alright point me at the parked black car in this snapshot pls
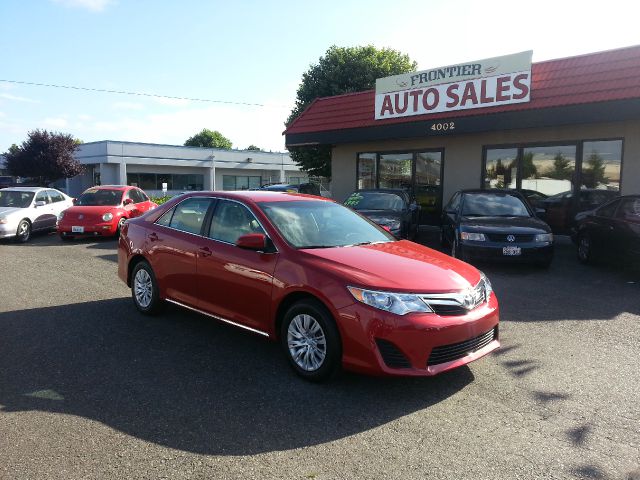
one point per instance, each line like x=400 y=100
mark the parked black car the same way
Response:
x=610 y=231
x=562 y=208
x=495 y=225
x=308 y=188
x=393 y=209
x=534 y=197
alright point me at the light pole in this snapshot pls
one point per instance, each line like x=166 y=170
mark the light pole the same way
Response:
x=213 y=172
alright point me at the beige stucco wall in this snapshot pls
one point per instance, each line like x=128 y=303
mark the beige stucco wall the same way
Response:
x=463 y=153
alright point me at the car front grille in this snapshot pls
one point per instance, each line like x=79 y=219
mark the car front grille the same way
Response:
x=448 y=353
x=392 y=356
x=502 y=237
x=449 y=304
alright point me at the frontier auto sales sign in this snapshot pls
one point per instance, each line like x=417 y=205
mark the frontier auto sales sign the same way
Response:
x=485 y=83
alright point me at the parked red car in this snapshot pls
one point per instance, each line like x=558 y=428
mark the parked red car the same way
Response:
x=101 y=211
x=333 y=287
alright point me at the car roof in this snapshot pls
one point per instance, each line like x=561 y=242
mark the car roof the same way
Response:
x=26 y=189
x=491 y=190
x=257 y=196
x=111 y=187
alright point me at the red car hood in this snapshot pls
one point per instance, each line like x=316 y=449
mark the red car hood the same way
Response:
x=398 y=266
x=90 y=214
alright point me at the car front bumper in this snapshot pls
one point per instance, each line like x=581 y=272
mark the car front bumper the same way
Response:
x=8 y=230
x=530 y=252
x=92 y=230
x=381 y=343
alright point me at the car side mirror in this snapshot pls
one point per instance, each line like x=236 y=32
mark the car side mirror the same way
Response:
x=252 y=241
x=127 y=201
x=40 y=203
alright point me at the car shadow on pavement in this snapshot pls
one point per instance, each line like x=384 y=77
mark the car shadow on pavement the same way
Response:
x=187 y=382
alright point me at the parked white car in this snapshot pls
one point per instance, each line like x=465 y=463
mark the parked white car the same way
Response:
x=24 y=210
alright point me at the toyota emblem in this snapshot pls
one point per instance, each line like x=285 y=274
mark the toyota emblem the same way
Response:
x=511 y=238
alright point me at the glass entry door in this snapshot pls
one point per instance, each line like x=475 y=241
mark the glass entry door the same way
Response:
x=428 y=186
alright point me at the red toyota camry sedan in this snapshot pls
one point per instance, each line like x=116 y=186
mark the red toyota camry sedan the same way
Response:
x=101 y=211
x=333 y=288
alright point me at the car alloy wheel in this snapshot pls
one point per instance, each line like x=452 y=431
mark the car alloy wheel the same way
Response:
x=584 y=248
x=24 y=231
x=307 y=342
x=311 y=340
x=144 y=289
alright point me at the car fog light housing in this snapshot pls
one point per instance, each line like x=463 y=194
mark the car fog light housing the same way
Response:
x=544 y=237
x=475 y=237
x=107 y=217
x=398 y=303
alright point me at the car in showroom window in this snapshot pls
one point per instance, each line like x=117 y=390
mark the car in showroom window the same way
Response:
x=392 y=209
x=500 y=225
x=300 y=270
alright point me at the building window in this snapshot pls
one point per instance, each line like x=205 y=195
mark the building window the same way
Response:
x=240 y=182
x=366 y=171
x=296 y=180
x=395 y=170
x=601 y=164
x=553 y=169
x=174 y=181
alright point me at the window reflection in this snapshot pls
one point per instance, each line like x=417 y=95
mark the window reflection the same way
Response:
x=601 y=163
x=501 y=168
x=366 y=171
x=549 y=170
x=395 y=170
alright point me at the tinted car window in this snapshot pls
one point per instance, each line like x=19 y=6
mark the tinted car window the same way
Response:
x=629 y=210
x=318 y=224
x=375 y=201
x=231 y=220
x=15 y=199
x=100 y=197
x=165 y=219
x=454 y=203
x=42 y=197
x=493 y=205
x=55 y=196
x=608 y=210
x=189 y=215
x=137 y=196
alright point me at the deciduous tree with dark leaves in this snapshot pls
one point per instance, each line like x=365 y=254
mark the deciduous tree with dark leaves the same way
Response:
x=210 y=139
x=341 y=70
x=45 y=156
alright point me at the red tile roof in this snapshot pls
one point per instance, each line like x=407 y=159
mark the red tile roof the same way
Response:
x=591 y=78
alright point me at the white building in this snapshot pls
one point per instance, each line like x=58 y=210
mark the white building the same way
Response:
x=148 y=166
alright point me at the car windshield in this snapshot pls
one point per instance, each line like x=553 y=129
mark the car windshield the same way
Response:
x=375 y=201
x=318 y=224
x=494 y=205
x=99 y=197
x=15 y=199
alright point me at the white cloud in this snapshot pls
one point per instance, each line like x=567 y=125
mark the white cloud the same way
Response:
x=16 y=98
x=92 y=5
x=127 y=106
x=171 y=102
x=84 y=117
x=55 y=122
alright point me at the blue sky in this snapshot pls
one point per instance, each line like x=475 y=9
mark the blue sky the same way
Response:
x=248 y=52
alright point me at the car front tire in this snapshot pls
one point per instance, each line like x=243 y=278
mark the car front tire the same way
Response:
x=311 y=341
x=144 y=289
x=585 y=248
x=23 y=233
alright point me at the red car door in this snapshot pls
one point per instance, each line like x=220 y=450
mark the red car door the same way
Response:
x=173 y=243
x=234 y=284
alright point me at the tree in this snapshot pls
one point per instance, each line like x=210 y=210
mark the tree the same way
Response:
x=341 y=70
x=253 y=148
x=594 y=175
x=529 y=169
x=44 y=155
x=209 y=139
x=562 y=169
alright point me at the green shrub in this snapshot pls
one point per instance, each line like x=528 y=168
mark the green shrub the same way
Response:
x=161 y=200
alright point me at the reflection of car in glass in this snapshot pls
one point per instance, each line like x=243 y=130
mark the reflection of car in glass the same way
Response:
x=610 y=231
x=101 y=211
x=390 y=208
x=534 y=197
x=24 y=210
x=307 y=188
x=335 y=289
x=495 y=225
x=561 y=209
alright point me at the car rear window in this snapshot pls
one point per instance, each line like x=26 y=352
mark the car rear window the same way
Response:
x=375 y=201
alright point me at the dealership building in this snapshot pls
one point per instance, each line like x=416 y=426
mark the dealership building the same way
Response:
x=554 y=126
x=178 y=168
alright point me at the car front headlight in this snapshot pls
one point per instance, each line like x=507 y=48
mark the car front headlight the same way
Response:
x=4 y=220
x=543 y=237
x=476 y=237
x=398 y=303
x=107 y=217
x=60 y=216
x=488 y=288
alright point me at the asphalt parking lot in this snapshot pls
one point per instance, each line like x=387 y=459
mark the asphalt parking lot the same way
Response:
x=91 y=389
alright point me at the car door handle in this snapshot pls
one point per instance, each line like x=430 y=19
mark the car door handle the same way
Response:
x=205 y=252
x=153 y=236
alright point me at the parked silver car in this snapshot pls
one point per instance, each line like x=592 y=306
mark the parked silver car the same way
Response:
x=24 y=210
